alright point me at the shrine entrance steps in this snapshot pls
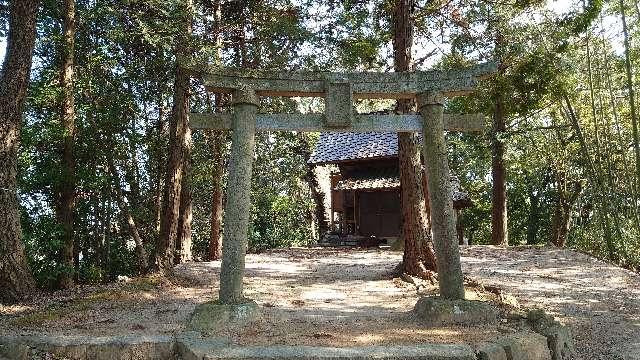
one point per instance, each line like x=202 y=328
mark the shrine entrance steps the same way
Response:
x=192 y=346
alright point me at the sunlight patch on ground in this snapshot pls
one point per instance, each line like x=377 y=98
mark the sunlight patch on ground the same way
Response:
x=15 y=309
x=323 y=295
x=368 y=338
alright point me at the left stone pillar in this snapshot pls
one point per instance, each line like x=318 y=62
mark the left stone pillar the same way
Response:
x=237 y=208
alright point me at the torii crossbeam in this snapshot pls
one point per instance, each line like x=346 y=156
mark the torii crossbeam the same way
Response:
x=339 y=90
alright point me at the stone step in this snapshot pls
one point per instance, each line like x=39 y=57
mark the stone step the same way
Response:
x=191 y=346
x=408 y=352
x=87 y=347
x=194 y=346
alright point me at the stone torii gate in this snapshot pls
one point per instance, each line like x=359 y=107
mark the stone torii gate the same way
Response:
x=339 y=90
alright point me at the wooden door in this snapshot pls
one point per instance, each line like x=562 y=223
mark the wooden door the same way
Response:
x=379 y=213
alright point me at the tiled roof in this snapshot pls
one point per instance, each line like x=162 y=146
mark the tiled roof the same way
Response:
x=371 y=179
x=338 y=146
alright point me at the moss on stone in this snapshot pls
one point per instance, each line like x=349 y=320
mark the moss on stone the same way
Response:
x=213 y=315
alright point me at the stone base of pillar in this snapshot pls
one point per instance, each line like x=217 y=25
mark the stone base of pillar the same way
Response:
x=436 y=311
x=212 y=316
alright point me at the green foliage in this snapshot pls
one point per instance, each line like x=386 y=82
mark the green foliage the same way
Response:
x=41 y=236
x=279 y=221
x=281 y=201
x=580 y=23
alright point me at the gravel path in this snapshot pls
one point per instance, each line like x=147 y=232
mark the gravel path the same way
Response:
x=601 y=302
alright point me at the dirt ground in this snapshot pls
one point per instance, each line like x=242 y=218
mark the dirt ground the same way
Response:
x=317 y=297
x=333 y=297
x=350 y=297
x=600 y=302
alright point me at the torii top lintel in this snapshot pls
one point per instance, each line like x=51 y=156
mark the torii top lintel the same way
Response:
x=359 y=85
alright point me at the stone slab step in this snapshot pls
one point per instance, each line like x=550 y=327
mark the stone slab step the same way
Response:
x=409 y=352
x=195 y=346
x=87 y=347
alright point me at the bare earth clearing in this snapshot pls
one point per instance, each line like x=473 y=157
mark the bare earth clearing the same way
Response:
x=600 y=302
x=349 y=298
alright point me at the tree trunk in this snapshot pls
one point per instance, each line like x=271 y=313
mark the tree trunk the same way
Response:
x=160 y=133
x=67 y=116
x=565 y=200
x=560 y=223
x=534 y=212
x=183 y=237
x=132 y=167
x=107 y=241
x=418 y=254
x=561 y=220
x=499 y=231
x=141 y=254
x=173 y=178
x=104 y=219
x=215 y=242
x=16 y=282
x=179 y=140
x=216 y=140
x=415 y=231
x=319 y=218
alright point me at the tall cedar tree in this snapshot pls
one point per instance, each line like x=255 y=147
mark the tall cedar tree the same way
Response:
x=16 y=281
x=499 y=232
x=216 y=142
x=418 y=249
x=183 y=236
x=179 y=151
x=67 y=191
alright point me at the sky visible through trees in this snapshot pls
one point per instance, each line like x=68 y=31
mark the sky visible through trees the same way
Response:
x=611 y=23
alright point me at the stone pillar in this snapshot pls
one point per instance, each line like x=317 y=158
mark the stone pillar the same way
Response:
x=236 y=211
x=430 y=105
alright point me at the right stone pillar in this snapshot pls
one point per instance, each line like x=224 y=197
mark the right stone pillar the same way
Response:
x=430 y=105
x=238 y=206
